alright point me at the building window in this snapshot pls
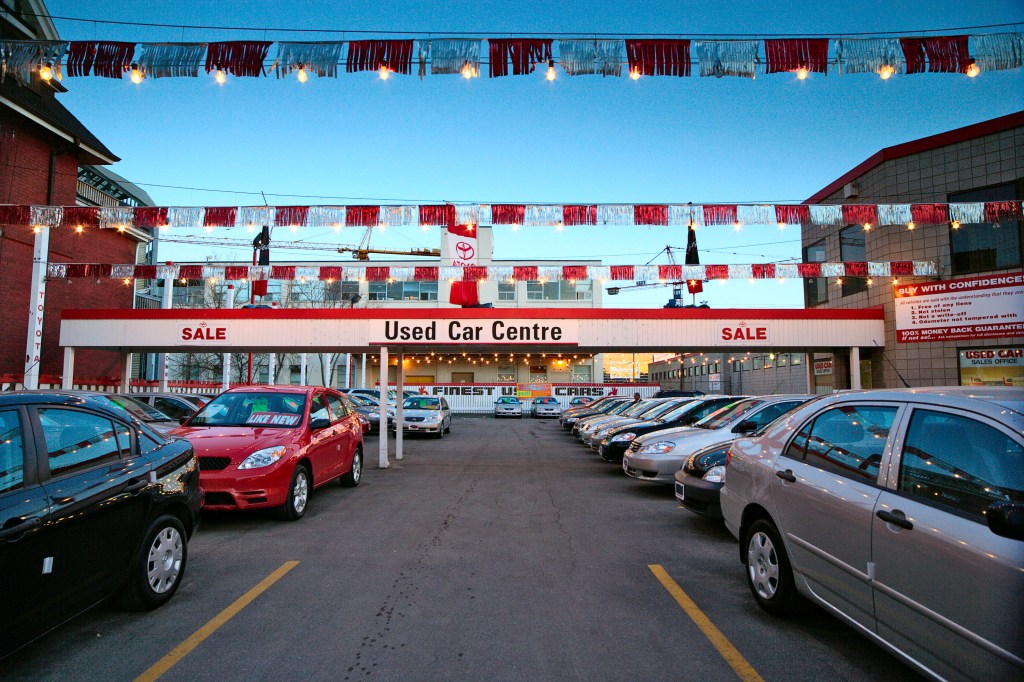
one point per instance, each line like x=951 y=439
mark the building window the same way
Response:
x=986 y=246
x=562 y=290
x=507 y=373
x=582 y=374
x=403 y=291
x=815 y=288
x=506 y=291
x=853 y=248
x=462 y=377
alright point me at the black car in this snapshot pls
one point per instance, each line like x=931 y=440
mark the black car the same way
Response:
x=677 y=393
x=93 y=504
x=617 y=440
x=700 y=480
x=604 y=405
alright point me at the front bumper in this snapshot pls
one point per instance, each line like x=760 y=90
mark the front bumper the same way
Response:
x=421 y=427
x=542 y=412
x=505 y=412
x=699 y=496
x=613 y=451
x=661 y=469
x=246 y=489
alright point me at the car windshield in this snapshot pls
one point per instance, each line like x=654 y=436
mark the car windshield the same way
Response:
x=508 y=401
x=678 y=410
x=545 y=401
x=275 y=410
x=661 y=409
x=717 y=420
x=360 y=400
x=138 y=409
x=422 y=404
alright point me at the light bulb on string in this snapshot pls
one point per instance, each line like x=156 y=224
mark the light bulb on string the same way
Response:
x=551 y=70
x=468 y=71
x=46 y=71
x=802 y=73
x=301 y=74
x=956 y=225
x=634 y=74
x=137 y=75
x=220 y=77
x=886 y=72
x=385 y=73
x=911 y=225
x=867 y=226
x=972 y=69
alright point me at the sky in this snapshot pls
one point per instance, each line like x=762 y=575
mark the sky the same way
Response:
x=360 y=140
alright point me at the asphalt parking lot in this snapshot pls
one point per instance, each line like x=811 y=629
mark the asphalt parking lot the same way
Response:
x=505 y=551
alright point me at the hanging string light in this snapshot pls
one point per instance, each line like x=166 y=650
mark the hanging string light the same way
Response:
x=301 y=74
x=220 y=77
x=136 y=75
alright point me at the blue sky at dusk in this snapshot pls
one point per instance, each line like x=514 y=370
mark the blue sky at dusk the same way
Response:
x=358 y=139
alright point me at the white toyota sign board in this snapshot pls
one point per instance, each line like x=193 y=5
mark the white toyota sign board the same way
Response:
x=985 y=307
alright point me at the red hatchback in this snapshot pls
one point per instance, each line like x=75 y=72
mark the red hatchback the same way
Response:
x=270 y=446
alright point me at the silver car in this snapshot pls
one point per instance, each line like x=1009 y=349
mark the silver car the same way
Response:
x=508 y=406
x=658 y=456
x=426 y=414
x=901 y=512
x=546 y=407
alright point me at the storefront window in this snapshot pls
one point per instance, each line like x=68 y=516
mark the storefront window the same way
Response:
x=562 y=290
x=997 y=366
x=582 y=374
x=403 y=291
x=506 y=291
x=853 y=248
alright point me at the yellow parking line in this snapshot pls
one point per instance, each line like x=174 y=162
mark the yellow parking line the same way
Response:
x=195 y=639
x=734 y=658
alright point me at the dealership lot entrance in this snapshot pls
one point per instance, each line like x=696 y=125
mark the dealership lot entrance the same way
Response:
x=400 y=331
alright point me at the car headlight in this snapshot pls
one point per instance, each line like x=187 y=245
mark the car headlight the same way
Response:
x=715 y=474
x=624 y=437
x=659 y=448
x=262 y=458
x=572 y=420
x=433 y=417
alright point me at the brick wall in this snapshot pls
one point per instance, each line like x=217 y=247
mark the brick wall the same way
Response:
x=24 y=174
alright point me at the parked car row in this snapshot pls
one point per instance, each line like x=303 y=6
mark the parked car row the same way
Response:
x=899 y=511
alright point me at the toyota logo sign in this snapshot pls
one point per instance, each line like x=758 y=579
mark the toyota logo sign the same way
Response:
x=465 y=250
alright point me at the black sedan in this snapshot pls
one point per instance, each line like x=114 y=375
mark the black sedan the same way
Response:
x=617 y=440
x=701 y=478
x=93 y=504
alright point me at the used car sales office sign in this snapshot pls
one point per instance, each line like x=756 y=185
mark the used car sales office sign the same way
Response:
x=985 y=307
x=475 y=331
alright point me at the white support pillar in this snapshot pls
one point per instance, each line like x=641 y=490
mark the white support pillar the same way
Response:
x=271 y=367
x=126 y=372
x=34 y=340
x=348 y=370
x=302 y=368
x=362 y=381
x=166 y=303
x=382 y=462
x=225 y=370
x=855 y=367
x=67 y=381
x=399 y=379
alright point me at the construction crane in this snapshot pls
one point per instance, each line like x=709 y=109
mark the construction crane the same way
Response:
x=363 y=251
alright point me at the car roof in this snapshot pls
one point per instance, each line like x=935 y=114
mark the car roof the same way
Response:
x=91 y=399
x=1009 y=397
x=274 y=389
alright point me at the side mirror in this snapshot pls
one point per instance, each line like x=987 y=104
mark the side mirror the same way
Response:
x=745 y=426
x=317 y=424
x=1006 y=519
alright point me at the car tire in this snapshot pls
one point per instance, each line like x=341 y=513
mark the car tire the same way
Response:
x=160 y=567
x=440 y=432
x=769 y=573
x=297 y=501
x=448 y=429
x=355 y=473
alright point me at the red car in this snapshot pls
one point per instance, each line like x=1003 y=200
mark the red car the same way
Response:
x=270 y=446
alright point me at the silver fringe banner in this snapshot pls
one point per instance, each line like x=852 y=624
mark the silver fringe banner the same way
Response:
x=694 y=272
x=258 y=273
x=256 y=216
x=122 y=271
x=449 y=273
x=21 y=58
x=997 y=51
x=645 y=273
x=56 y=270
x=727 y=57
x=967 y=213
x=116 y=218
x=869 y=55
x=325 y=216
x=500 y=273
x=352 y=273
x=599 y=273
x=402 y=274
x=215 y=272
x=786 y=271
x=185 y=216
x=831 y=270
x=171 y=60
x=894 y=214
x=589 y=57
x=542 y=214
x=473 y=214
x=399 y=216
x=615 y=214
x=757 y=214
x=167 y=272
x=46 y=216
x=741 y=272
x=549 y=273
x=307 y=273
x=319 y=58
x=925 y=268
x=450 y=55
x=826 y=215
x=876 y=270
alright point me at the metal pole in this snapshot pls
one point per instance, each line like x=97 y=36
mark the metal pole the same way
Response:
x=34 y=340
x=382 y=462
x=348 y=370
x=302 y=369
x=399 y=378
x=362 y=380
x=166 y=303
x=271 y=367
x=225 y=371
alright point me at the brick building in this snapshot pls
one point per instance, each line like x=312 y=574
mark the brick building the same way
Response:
x=42 y=149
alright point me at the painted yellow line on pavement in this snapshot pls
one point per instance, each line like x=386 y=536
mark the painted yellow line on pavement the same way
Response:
x=196 y=638
x=734 y=658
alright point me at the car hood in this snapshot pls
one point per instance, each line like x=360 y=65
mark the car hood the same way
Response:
x=236 y=442
x=420 y=413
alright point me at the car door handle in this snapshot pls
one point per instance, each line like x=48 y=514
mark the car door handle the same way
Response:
x=135 y=487
x=23 y=527
x=786 y=475
x=890 y=517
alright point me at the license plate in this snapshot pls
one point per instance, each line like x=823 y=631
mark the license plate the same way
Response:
x=413 y=427
x=680 y=491
x=600 y=450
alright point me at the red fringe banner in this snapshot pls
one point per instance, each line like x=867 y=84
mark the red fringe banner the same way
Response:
x=623 y=273
x=1000 y=211
x=474 y=273
x=763 y=270
x=330 y=273
x=149 y=272
x=220 y=216
x=236 y=272
x=378 y=274
x=790 y=54
x=150 y=216
x=650 y=214
x=86 y=216
x=291 y=215
x=719 y=215
x=113 y=59
x=440 y=214
x=508 y=214
x=237 y=57
x=670 y=272
x=362 y=216
x=929 y=214
x=15 y=215
x=184 y=272
x=900 y=268
x=579 y=215
x=716 y=272
x=574 y=272
x=525 y=272
x=425 y=274
x=101 y=270
x=809 y=269
x=792 y=215
x=659 y=57
x=76 y=270
x=286 y=272
x=858 y=214
x=946 y=54
x=372 y=55
x=523 y=53
x=856 y=269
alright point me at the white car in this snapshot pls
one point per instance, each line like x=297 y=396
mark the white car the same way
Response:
x=899 y=511
x=508 y=406
x=546 y=407
x=426 y=414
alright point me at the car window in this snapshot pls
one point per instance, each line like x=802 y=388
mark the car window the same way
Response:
x=136 y=408
x=957 y=462
x=773 y=412
x=171 y=408
x=339 y=407
x=147 y=444
x=847 y=440
x=318 y=408
x=12 y=451
x=444 y=404
x=717 y=420
x=77 y=440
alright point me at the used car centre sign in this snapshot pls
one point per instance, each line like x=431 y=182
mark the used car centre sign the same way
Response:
x=518 y=331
